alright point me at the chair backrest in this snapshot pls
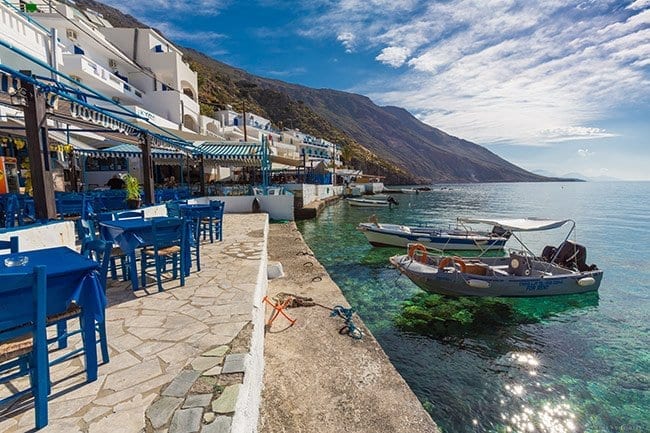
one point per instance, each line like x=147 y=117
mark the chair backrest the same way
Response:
x=129 y=215
x=23 y=307
x=217 y=207
x=192 y=219
x=73 y=204
x=11 y=210
x=85 y=232
x=11 y=245
x=173 y=209
x=167 y=232
x=100 y=251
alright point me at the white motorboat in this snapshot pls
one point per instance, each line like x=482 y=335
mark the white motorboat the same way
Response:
x=365 y=202
x=457 y=238
x=557 y=271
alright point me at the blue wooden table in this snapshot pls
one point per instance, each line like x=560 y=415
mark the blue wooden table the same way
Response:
x=71 y=278
x=130 y=234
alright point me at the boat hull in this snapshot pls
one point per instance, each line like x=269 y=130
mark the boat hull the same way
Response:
x=394 y=236
x=367 y=203
x=453 y=283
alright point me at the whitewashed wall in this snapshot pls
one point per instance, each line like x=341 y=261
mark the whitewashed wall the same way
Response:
x=44 y=236
x=279 y=207
x=311 y=193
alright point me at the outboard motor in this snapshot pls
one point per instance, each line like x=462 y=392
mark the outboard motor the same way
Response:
x=548 y=253
x=573 y=256
x=391 y=200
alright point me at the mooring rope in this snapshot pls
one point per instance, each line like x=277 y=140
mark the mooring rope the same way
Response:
x=291 y=300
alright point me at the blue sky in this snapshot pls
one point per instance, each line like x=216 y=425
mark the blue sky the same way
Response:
x=555 y=85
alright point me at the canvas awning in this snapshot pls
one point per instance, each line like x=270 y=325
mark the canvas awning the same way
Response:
x=234 y=154
x=126 y=150
x=519 y=224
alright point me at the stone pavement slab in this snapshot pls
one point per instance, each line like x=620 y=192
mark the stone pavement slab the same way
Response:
x=153 y=339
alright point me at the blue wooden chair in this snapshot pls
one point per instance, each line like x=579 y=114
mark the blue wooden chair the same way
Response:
x=174 y=208
x=12 y=210
x=100 y=251
x=11 y=245
x=23 y=341
x=71 y=206
x=193 y=228
x=213 y=225
x=87 y=232
x=168 y=239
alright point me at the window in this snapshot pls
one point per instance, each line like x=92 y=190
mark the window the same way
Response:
x=106 y=164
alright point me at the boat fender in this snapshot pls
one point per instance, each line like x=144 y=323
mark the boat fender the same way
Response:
x=478 y=284
x=586 y=281
x=457 y=261
x=414 y=255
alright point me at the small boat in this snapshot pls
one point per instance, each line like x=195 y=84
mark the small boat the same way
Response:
x=456 y=238
x=364 y=202
x=400 y=190
x=557 y=271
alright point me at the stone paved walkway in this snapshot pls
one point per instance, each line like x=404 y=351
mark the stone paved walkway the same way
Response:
x=179 y=357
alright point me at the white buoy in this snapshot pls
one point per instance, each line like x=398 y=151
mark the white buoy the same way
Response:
x=478 y=284
x=586 y=281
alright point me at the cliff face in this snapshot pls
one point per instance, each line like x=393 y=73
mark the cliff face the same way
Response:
x=387 y=141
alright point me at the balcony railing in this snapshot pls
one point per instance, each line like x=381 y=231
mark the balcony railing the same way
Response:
x=75 y=63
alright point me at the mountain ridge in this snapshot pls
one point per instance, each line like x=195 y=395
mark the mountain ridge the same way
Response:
x=378 y=140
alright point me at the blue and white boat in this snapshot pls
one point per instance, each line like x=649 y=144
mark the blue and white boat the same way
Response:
x=557 y=271
x=457 y=238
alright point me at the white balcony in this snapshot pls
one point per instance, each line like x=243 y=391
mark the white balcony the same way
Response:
x=101 y=79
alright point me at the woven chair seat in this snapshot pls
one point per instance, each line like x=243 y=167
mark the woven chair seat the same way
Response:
x=16 y=347
x=73 y=311
x=167 y=251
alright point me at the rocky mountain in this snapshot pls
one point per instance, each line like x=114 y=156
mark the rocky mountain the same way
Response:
x=386 y=141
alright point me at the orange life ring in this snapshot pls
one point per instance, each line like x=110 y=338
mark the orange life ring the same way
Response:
x=423 y=252
x=449 y=260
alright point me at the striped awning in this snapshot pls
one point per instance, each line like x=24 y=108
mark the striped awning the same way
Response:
x=231 y=153
x=126 y=150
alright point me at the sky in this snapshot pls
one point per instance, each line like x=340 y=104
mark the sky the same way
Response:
x=557 y=86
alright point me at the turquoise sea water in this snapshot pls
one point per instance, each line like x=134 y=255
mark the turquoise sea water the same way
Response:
x=583 y=364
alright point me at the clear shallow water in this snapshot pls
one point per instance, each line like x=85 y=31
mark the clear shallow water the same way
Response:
x=583 y=366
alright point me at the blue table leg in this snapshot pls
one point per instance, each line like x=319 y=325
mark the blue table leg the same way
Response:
x=90 y=345
x=133 y=270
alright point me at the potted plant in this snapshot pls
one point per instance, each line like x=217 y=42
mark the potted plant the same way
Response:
x=132 y=191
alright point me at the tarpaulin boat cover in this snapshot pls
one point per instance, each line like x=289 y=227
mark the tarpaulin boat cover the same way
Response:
x=518 y=224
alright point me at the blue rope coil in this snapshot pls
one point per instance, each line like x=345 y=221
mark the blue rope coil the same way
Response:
x=350 y=328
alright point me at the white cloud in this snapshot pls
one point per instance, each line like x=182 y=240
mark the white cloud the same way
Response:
x=347 y=40
x=584 y=153
x=393 y=56
x=494 y=71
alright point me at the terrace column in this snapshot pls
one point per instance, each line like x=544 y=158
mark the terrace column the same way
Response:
x=202 y=171
x=147 y=170
x=39 y=153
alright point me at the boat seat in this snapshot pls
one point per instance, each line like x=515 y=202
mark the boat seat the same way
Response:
x=500 y=270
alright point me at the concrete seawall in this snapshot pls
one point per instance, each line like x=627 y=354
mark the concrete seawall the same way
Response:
x=317 y=380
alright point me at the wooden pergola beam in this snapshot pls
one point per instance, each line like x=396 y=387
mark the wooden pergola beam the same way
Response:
x=39 y=153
